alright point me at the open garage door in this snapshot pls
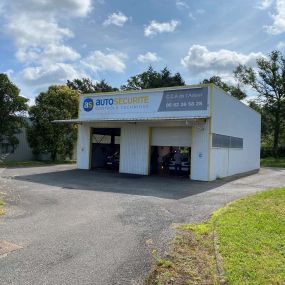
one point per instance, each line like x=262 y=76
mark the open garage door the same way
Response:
x=171 y=137
x=105 y=148
x=171 y=151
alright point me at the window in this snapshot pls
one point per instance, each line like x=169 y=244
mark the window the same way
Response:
x=236 y=142
x=226 y=141
x=220 y=141
x=104 y=139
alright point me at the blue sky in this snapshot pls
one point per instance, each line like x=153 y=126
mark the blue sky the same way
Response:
x=44 y=42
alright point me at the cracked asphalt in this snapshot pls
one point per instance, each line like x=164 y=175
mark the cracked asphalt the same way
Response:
x=86 y=227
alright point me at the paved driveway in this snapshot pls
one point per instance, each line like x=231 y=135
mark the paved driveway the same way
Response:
x=82 y=227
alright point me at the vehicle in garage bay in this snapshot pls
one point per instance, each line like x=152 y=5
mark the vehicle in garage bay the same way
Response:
x=113 y=161
x=185 y=165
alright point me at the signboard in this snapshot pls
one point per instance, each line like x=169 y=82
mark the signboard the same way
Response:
x=184 y=100
x=180 y=103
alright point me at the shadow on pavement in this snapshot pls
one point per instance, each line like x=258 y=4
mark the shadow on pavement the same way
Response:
x=104 y=181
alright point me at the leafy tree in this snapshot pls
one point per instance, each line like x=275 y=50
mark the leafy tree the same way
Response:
x=235 y=91
x=267 y=120
x=12 y=106
x=85 y=85
x=153 y=79
x=102 y=86
x=59 y=102
x=269 y=82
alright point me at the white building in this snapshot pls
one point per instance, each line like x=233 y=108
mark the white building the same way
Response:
x=222 y=133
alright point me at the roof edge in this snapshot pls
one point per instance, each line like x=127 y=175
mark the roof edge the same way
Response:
x=149 y=90
x=236 y=99
x=80 y=121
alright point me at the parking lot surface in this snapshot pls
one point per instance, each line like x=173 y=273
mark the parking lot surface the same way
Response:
x=87 y=227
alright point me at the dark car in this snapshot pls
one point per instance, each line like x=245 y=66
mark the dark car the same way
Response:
x=113 y=161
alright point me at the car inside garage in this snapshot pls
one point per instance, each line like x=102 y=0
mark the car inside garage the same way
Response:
x=105 y=148
x=166 y=144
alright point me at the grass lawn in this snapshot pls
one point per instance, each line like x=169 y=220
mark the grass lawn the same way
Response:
x=273 y=162
x=243 y=243
x=32 y=163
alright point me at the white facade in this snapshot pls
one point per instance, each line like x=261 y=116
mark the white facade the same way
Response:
x=230 y=117
x=191 y=116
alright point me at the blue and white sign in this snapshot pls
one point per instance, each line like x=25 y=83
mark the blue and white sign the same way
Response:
x=88 y=104
x=174 y=103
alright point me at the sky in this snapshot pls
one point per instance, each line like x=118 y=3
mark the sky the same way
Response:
x=45 y=42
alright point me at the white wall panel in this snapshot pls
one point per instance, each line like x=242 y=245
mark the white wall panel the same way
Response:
x=134 y=149
x=221 y=158
x=83 y=147
x=200 y=153
x=232 y=118
x=171 y=137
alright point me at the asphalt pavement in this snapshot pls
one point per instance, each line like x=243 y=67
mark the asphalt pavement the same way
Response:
x=86 y=227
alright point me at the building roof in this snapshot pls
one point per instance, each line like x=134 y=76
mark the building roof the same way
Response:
x=149 y=90
x=132 y=120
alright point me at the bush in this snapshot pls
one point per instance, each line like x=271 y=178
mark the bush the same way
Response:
x=269 y=152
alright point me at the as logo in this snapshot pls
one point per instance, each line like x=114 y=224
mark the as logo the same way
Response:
x=88 y=104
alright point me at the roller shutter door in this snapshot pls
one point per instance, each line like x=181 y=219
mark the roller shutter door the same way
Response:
x=171 y=137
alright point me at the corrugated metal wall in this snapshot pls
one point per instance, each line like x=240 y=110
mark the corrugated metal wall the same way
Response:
x=22 y=152
x=83 y=147
x=134 y=149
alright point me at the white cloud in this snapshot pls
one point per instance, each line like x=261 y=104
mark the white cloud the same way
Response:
x=43 y=76
x=9 y=72
x=281 y=45
x=35 y=32
x=51 y=8
x=148 y=57
x=34 y=26
x=278 y=25
x=99 y=61
x=264 y=4
x=117 y=19
x=201 y=61
x=155 y=28
x=191 y=16
x=60 y=53
x=39 y=37
x=201 y=11
x=181 y=4
x=49 y=54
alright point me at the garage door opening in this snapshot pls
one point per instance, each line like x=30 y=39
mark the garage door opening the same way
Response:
x=105 y=148
x=170 y=161
x=170 y=145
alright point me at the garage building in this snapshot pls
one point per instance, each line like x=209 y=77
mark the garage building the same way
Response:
x=218 y=134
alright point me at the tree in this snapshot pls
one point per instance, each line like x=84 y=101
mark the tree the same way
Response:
x=102 y=86
x=153 y=79
x=269 y=82
x=266 y=122
x=59 y=102
x=12 y=108
x=85 y=85
x=235 y=91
